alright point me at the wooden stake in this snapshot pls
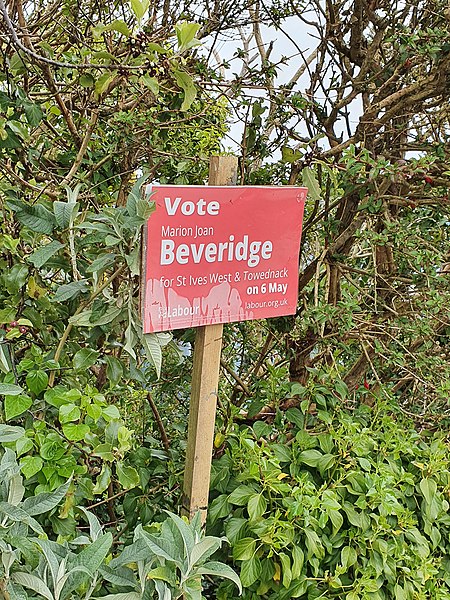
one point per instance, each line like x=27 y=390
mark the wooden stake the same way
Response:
x=205 y=380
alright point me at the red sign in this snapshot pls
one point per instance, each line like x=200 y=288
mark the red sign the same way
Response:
x=221 y=254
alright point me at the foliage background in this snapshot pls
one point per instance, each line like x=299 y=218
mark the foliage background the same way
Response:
x=332 y=423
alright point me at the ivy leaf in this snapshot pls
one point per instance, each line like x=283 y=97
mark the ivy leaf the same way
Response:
x=128 y=476
x=30 y=465
x=69 y=413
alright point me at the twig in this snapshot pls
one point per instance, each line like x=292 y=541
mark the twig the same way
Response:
x=83 y=148
x=236 y=377
x=162 y=431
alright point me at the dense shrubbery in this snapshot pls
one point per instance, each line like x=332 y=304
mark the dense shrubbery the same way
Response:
x=324 y=488
x=344 y=504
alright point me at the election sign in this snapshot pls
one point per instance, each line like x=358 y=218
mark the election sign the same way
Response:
x=220 y=254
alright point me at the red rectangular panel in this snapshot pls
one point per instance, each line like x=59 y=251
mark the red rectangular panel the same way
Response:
x=221 y=254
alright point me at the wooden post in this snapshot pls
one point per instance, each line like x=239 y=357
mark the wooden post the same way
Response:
x=205 y=380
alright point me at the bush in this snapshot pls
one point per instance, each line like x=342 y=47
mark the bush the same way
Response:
x=350 y=505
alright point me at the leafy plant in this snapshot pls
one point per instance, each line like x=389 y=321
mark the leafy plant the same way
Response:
x=345 y=505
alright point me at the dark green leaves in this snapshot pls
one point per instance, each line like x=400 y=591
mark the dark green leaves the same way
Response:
x=36 y=217
x=69 y=291
x=44 y=253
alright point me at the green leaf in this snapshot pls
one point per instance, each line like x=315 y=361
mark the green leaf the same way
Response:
x=94 y=411
x=114 y=370
x=154 y=47
x=428 y=487
x=282 y=453
x=152 y=347
x=109 y=316
x=68 y=413
x=16 y=405
x=84 y=359
x=103 y=479
x=44 y=253
x=289 y=155
x=121 y=596
x=244 y=549
x=23 y=445
x=94 y=554
x=17 y=514
x=65 y=212
x=86 y=80
x=241 y=495
x=349 y=556
x=139 y=7
x=9 y=389
x=310 y=457
x=298 y=559
x=30 y=465
x=151 y=83
x=104 y=451
x=102 y=83
x=69 y=291
x=257 y=506
x=186 y=83
x=33 y=583
x=310 y=181
x=285 y=569
x=16 y=489
x=74 y=432
x=250 y=571
x=37 y=381
x=186 y=33
x=161 y=547
x=45 y=502
x=218 y=569
x=204 y=549
x=101 y=263
x=34 y=216
x=117 y=25
x=33 y=112
x=128 y=476
x=135 y=552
